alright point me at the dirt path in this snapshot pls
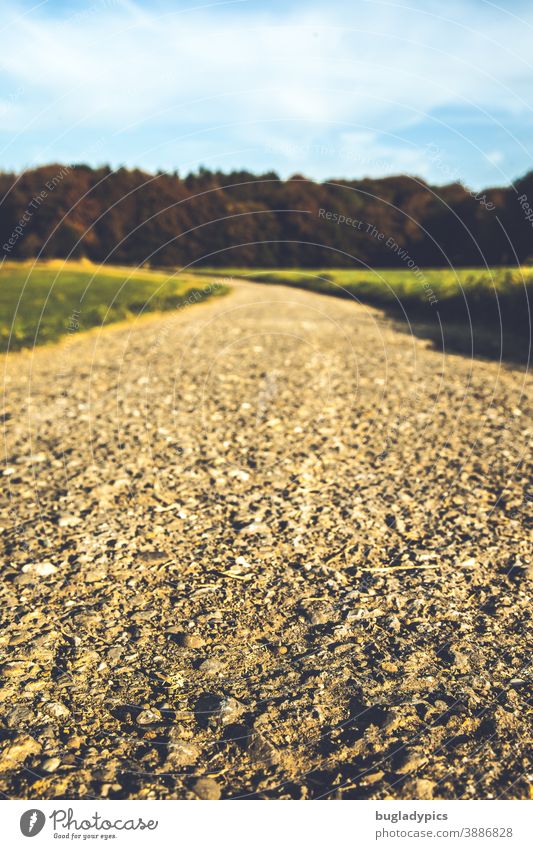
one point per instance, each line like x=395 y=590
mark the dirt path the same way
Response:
x=266 y=546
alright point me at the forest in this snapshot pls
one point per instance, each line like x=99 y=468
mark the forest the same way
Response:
x=241 y=219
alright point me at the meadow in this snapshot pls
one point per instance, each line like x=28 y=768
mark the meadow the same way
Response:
x=474 y=311
x=485 y=312
x=40 y=303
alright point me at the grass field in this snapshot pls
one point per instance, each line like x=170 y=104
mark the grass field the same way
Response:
x=471 y=310
x=385 y=286
x=486 y=312
x=40 y=303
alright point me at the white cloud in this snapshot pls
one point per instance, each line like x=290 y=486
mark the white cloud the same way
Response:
x=290 y=73
x=495 y=157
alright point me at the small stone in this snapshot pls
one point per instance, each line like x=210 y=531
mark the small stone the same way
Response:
x=18 y=669
x=67 y=521
x=471 y=561
x=260 y=750
x=42 y=569
x=153 y=556
x=16 y=752
x=373 y=777
x=206 y=788
x=239 y=474
x=51 y=764
x=211 y=666
x=211 y=709
x=182 y=753
x=424 y=788
x=57 y=710
x=317 y=616
x=115 y=653
x=148 y=717
x=242 y=561
x=188 y=641
x=18 y=715
x=241 y=522
x=23 y=579
x=409 y=761
x=229 y=710
x=93 y=577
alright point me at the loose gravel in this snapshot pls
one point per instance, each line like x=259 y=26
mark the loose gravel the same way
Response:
x=270 y=546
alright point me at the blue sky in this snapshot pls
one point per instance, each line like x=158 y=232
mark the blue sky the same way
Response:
x=327 y=89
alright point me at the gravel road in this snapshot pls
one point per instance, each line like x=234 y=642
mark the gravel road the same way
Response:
x=268 y=546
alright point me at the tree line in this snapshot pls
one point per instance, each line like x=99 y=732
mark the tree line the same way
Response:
x=213 y=218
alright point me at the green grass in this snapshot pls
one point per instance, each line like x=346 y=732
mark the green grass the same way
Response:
x=486 y=312
x=42 y=303
x=472 y=310
x=387 y=285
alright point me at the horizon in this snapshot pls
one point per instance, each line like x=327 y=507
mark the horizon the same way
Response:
x=271 y=173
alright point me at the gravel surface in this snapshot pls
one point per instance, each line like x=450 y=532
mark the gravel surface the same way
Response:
x=270 y=546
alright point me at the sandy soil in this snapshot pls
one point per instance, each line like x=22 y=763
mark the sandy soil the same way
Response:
x=269 y=546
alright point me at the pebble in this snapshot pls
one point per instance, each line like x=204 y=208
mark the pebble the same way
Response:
x=211 y=667
x=229 y=710
x=207 y=788
x=42 y=569
x=470 y=561
x=67 y=521
x=57 y=710
x=260 y=750
x=15 y=752
x=182 y=753
x=409 y=761
x=317 y=616
x=424 y=788
x=51 y=764
x=18 y=715
x=148 y=717
x=189 y=641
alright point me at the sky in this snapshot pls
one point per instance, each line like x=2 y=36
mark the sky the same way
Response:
x=329 y=89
